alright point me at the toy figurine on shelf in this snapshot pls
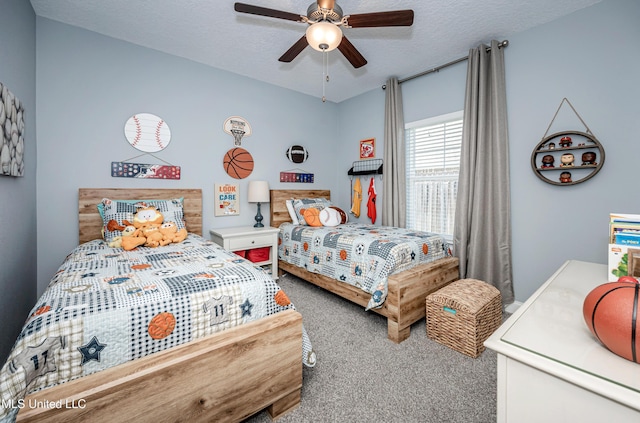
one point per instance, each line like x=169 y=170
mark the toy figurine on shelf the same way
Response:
x=566 y=160
x=547 y=161
x=589 y=158
x=552 y=146
x=565 y=142
x=565 y=177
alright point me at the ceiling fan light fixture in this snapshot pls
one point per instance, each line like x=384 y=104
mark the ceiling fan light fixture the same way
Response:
x=324 y=36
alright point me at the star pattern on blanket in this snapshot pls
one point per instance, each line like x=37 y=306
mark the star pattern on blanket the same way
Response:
x=246 y=308
x=91 y=350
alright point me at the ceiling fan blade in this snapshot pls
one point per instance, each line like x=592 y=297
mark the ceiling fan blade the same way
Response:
x=263 y=11
x=378 y=19
x=351 y=53
x=295 y=49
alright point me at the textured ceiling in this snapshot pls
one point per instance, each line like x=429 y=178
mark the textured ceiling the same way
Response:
x=211 y=32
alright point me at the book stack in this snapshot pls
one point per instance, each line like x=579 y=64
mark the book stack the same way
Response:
x=624 y=229
x=624 y=245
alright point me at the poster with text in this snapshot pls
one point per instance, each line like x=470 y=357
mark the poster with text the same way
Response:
x=227 y=200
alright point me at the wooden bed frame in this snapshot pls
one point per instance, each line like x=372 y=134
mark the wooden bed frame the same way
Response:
x=406 y=300
x=227 y=376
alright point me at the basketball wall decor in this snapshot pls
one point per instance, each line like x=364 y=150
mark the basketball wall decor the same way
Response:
x=238 y=163
x=147 y=132
x=611 y=313
x=297 y=154
x=238 y=128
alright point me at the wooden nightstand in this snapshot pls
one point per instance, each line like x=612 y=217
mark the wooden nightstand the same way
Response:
x=247 y=238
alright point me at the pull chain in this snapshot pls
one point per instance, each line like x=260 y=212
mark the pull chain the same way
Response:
x=325 y=72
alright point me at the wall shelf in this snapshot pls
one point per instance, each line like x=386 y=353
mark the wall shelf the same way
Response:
x=366 y=167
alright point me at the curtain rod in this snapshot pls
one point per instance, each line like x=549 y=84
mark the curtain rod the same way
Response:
x=504 y=43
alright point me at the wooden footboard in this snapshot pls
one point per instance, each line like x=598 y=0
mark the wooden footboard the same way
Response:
x=227 y=376
x=405 y=303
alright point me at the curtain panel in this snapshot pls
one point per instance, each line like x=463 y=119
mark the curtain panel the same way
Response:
x=394 y=186
x=482 y=232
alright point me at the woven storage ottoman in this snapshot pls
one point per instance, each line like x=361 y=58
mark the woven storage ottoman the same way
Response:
x=463 y=314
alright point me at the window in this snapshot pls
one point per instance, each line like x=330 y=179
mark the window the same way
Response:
x=433 y=163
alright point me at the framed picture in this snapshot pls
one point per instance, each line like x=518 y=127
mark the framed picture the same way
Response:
x=226 y=200
x=368 y=148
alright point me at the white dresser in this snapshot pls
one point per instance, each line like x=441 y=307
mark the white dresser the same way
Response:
x=551 y=368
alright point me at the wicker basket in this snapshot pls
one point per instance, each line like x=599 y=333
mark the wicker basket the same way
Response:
x=463 y=314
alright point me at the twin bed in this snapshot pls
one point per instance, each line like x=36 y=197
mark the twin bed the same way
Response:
x=219 y=375
x=406 y=290
x=196 y=371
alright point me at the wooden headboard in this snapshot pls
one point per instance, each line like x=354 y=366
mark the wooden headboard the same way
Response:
x=279 y=213
x=90 y=222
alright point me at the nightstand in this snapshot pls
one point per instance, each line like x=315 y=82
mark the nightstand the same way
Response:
x=247 y=238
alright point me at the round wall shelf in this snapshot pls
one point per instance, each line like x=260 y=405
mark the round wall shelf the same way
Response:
x=567 y=158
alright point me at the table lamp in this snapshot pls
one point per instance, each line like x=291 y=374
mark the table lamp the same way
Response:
x=258 y=193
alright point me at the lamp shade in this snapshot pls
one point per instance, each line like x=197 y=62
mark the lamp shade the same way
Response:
x=324 y=36
x=258 y=192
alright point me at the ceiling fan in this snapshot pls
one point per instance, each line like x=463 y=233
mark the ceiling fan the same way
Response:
x=325 y=18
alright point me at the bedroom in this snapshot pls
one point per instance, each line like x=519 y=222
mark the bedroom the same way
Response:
x=586 y=56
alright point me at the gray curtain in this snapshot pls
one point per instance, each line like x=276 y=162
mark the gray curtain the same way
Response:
x=394 y=199
x=482 y=231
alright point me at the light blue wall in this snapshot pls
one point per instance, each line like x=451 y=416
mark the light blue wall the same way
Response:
x=89 y=85
x=18 y=194
x=589 y=57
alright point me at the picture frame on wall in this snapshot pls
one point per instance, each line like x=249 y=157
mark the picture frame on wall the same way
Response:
x=227 y=200
x=367 y=148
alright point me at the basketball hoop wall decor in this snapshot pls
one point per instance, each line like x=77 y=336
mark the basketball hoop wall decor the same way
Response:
x=238 y=128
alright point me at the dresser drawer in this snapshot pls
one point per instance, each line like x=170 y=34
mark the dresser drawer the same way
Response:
x=246 y=242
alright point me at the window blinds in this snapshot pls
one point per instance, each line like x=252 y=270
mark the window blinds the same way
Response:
x=432 y=164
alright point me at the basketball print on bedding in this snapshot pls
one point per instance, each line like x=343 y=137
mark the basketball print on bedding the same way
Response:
x=238 y=163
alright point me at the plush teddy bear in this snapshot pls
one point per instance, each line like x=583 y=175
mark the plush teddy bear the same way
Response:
x=170 y=233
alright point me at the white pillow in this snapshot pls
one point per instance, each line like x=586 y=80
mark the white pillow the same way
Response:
x=330 y=217
x=292 y=212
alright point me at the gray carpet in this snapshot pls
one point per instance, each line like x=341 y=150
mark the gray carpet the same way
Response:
x=362 y=376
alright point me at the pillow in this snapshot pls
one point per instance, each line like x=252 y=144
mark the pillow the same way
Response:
x=292 y=212
x=312 y=216
x=116 y=212
x=305 y=203
x=101 y=204
x=332 y=216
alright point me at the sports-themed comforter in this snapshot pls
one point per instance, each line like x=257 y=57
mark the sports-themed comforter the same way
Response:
x=361 y=255
x=106 y=306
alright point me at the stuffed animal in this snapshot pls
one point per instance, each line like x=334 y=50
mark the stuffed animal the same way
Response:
x=144 y=218
x=152 y=234
x=127 y=231
x=170 y=233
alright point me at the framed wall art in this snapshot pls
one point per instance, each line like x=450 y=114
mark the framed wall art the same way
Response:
x=227 y=200
x=368 y=148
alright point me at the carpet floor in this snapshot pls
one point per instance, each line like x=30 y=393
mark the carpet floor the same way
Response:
x=362 y=376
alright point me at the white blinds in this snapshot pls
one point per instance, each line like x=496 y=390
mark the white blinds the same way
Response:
x=433 y=163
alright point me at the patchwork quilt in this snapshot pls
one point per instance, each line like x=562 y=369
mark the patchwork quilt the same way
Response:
x=360 y=255
x=106 y=306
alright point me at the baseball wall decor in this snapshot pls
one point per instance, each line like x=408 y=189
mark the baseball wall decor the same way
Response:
x=238 y=128
x=147 y=132
x=238 y=163
x=297 y=154
x=12 y=124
